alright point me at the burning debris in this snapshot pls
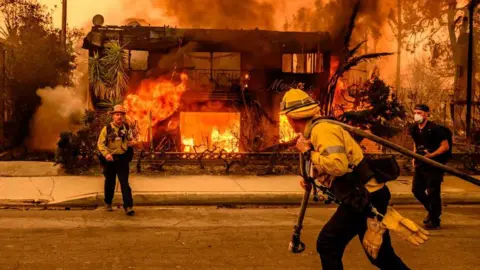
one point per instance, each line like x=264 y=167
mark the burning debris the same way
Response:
x=202 y=131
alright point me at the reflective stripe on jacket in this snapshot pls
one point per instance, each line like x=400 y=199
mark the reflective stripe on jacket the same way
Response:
x=335 y=151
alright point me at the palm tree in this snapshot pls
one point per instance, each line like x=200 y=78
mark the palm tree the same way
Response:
x=108 y=74
x=114 y=62
x=347 y=63
x=96 y=77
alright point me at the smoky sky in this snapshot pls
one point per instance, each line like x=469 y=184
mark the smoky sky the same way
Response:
x=246 y=14
x=333 y=16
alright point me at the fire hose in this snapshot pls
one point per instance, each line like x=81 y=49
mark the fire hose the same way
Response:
x=296 y=245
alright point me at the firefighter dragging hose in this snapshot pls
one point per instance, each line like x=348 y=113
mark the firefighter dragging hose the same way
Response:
x=331 y=156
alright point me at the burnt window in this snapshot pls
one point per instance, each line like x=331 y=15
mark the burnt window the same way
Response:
x=302 y=63
x=220 y=68
x=213 y=60
x=138 y=60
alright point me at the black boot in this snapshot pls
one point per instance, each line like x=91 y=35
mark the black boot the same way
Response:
x=426 y=219
x=432 y=224
x=129 y=211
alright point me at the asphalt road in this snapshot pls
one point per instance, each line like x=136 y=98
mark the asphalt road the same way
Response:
x=210 y=238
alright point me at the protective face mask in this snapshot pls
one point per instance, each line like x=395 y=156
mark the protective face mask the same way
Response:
x=418 y=118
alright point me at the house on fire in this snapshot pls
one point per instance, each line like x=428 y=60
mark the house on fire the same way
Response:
x=226 y=69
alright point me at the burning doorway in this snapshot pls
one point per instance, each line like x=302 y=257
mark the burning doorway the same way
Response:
x=202 y=131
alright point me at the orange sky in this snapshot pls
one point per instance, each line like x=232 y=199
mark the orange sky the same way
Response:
x=81 y=12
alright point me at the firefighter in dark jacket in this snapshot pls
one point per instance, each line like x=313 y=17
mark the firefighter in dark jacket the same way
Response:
x=114 y=144
x=338 y=163
x=431 y=141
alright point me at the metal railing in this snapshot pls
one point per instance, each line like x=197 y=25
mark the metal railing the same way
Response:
x=466 y=161
x=216 y=79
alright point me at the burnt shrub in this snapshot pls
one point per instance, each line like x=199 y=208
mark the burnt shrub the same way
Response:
x=77 y=151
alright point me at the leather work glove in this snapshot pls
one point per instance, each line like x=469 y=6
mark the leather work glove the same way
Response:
x=303 y=144
x=373 y=238
x=404 y=227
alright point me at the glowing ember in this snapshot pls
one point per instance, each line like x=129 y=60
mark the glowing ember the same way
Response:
x=334 y=64
x=188 y=144
x=225 y=141
x=210 y=131
x=159 y=97
x=286 y=131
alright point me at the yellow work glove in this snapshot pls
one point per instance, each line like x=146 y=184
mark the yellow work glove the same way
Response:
x=404 y=227
x=373 y=238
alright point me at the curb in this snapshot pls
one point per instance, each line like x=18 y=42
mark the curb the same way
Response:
x=206 y=198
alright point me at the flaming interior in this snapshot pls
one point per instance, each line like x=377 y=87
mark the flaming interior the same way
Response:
x=210 y=130
x=158 y=97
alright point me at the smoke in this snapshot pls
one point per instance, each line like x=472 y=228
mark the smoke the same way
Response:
x=61 y=110
x=245 y=14
x=371 y=25
x=333 y=17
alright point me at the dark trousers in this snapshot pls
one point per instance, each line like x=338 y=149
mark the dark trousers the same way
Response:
x=120 y=167
x=344 y=225
x=426 y=187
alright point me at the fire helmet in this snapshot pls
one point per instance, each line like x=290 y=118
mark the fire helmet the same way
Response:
x=297 y=104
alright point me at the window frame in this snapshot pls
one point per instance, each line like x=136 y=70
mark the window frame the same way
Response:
x=316 y=64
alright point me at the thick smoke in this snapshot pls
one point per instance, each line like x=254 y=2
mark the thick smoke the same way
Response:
x=246 y=14
x=333 y=16
x=371 y=24
x=61 y=110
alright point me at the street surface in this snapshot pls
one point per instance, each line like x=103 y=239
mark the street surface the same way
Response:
x=211 y=238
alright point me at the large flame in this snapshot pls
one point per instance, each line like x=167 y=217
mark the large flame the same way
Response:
x=225 y=141
x=286 y=131
x=188 y=144
x=159 y=98
x=218 y=131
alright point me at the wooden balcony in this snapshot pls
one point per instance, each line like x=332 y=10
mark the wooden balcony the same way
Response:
x=216 y=84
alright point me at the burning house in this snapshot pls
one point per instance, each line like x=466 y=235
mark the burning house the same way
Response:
x=204 y=88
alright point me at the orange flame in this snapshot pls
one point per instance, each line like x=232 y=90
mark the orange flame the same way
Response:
x=188 y=144
x=203 y=131
x=225 y=141
x=334 y=64
x=159 y=97
x=286 y=131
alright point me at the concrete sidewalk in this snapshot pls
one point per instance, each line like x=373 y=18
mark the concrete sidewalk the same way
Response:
x=87 y=191
x=29 y=169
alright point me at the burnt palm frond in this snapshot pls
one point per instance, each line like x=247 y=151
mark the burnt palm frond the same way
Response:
x=353 y=51
x=353 y=63
x=351 y=25
x=108 y=104
x=332 y=83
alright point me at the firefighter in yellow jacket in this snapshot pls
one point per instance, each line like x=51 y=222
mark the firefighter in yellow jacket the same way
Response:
x=115 y=147
x=339 y=164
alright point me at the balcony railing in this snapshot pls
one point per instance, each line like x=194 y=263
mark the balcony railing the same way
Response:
x=216 y=79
